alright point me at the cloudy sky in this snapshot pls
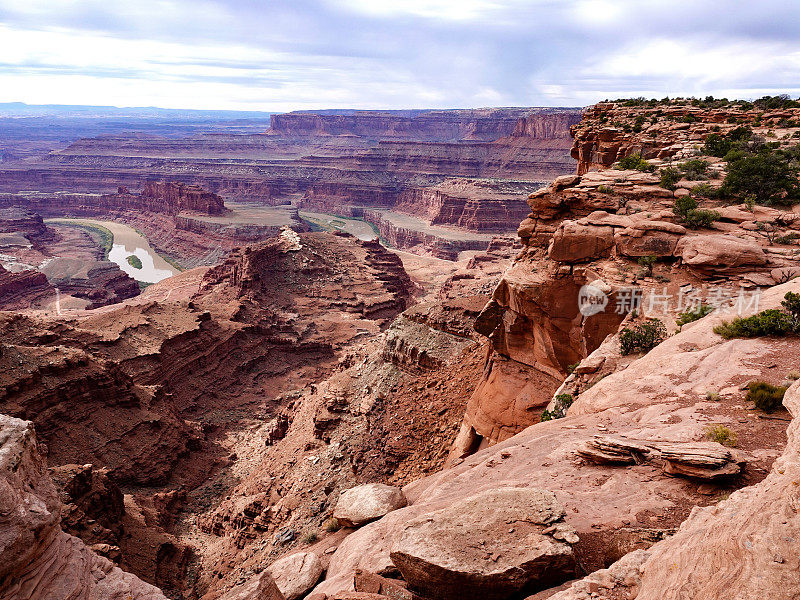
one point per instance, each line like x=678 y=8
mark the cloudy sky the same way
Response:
x=277 y=55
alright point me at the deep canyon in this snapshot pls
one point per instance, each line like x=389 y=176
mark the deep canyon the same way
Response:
x=371 y=374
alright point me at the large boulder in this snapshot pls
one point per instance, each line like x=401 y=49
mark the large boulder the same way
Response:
x=260 y=587
x=719 y=253
x=296 y=574
x=574 y=242
x=649 y=238
x=365 y=503
x=487 y=547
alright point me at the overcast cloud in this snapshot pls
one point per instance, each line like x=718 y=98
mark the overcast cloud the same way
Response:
x=301 y=54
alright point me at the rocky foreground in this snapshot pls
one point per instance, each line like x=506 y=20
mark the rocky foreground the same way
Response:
x=306 y=420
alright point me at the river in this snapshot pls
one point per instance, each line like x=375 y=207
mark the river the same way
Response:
x=129 y=242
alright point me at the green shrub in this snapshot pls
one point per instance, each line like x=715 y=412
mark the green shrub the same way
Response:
x=562 y=403
x=776 y=102
x=788 y=238
x=635 y=162
x=712 y=396
x=647 y=262
x=685 y=207
x=767 y=322
x=717 y=145
x=770 y=177
x=704 y=190
x=642 y=337
x=605 y=189
x=721 y=435
x=670 y=176
x=694 y=169
x=638 y=124
x=765 y=396
x=698 y=218
x=791 y=304
x=690 y=316
x=683 y=204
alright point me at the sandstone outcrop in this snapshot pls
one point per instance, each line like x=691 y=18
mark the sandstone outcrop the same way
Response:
x=262 y=587
x=492 y=545
x=24 y=289
x=738 y=548
x=608 y=130
x=17 y=220
x=99 y=282
x=360 y=505
x=613 y=510
x=699 y=460
x=715 y=254
x=38 y=559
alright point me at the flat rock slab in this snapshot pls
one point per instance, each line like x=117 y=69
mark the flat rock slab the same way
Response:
x=296 y=574
x=365 y=503
x=487 y=547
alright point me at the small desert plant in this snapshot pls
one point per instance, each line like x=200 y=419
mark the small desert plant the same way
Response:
x=789 y=238
x=331 y=524
x=642 y=337
x=670 y=176
x=562 y=403
x=571 y=368
x=699 y=218
x=791 y=303
x=605 y=189
x=309 y=538
x=691 y=315
x=712 y=396
x=793 y=375
x=685 y=207
x=637 y=163
x=765 y=396
x=722 y=435
x=704 y=190
x=646 y=263
x=683 y=204
x=694 y=169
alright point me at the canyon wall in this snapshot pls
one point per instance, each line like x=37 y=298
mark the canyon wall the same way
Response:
x=483 y=124
x=583 y=229
x=323 y=162
x=37 y=559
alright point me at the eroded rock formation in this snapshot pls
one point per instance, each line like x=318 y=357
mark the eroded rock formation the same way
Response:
x=37 y=559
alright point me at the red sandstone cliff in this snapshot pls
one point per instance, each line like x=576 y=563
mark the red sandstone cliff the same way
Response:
x=25 y=289
x=37 y=560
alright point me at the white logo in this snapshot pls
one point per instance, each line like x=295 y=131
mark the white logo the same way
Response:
x=591 y=300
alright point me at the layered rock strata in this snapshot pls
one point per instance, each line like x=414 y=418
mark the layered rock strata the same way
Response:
x=38 y=559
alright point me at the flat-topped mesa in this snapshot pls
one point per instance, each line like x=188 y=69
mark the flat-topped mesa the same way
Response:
x=23 y=289
x=546 y=125
x=426 y=125
x=17 y=220
x=169 y=197
x=179 y=197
